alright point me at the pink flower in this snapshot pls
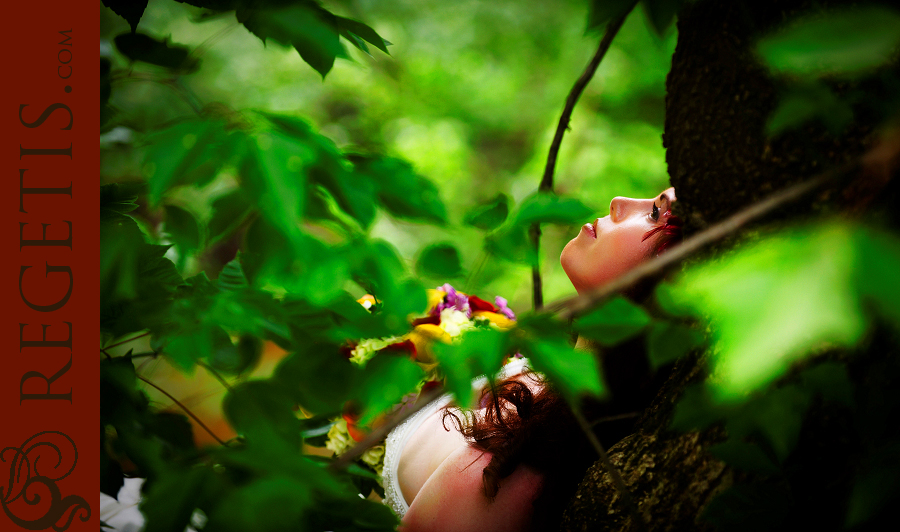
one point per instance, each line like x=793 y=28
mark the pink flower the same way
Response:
x=506 y=311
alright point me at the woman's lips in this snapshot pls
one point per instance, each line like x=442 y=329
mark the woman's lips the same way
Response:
x=590 y=230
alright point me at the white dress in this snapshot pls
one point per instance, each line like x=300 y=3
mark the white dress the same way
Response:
x=398 y=437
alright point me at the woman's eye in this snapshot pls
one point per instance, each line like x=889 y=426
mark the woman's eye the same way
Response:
x=654 y=214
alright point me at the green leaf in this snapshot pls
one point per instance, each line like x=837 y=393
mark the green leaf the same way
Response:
x=267 y=252
x=191 y=344
x=876 y=486
x=174 y=429
x=806 y=102
x=141 y=47
x=183 y=230
x=120 y=398
x=232 y=276
x=575 y=372
x=189 y=151
x=248 y=311
x=439 y=260
x=776 y=415
x=877 y=264
x=749 y=507
x=273 y=175
x=130 y=10
x=369 y=515
x=667 y=342
x=386 y=379
x=403 y=192
x=744 y=456
x=616 y=320
x=229 y=211
x=602 y=11
x=107 y=112
x=318 y=377
x=830 y=380
x=478 y=352
x=511 y=243
x=132 y=270
x=320 y=161
x=276 y=502
x=169 y=502
x=847 y=42
x=489 y=215
x=550 y=208
x=311 y=30
x=261 y=409
x=661 y=13
x=357 y=29
x=406 y=299
x=377 y=266
x=117 y=200
x=796 y=291
x=668 y=297
x=696 y=409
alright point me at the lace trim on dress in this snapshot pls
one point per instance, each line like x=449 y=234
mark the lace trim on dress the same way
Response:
x=394 y=445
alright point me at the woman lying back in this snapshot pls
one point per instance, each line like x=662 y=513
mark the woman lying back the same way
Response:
x=515 y=462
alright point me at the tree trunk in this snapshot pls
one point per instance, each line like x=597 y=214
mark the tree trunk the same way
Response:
x=720 y=161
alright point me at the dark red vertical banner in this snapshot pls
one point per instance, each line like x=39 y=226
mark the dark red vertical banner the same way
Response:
x=49 y=267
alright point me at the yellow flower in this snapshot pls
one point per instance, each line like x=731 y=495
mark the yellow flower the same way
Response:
x=339 y=439
x=374 y=456
x=434 y=297
x=495 y=318
x=366 y=301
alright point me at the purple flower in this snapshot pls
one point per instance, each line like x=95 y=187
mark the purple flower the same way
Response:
x=506 y=311
x=453 y=299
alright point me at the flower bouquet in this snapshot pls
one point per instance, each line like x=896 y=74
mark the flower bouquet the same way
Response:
x=450 y=315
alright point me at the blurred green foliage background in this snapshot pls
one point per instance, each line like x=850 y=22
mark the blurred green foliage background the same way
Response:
x=470 y=95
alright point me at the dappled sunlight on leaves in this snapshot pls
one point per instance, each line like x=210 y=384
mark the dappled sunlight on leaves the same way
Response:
x=773 y=302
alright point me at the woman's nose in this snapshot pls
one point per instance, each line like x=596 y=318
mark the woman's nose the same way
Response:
x=620 y=208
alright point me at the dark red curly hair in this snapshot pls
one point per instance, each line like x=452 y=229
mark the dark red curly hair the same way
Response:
x=536 y=428
x=670 y=233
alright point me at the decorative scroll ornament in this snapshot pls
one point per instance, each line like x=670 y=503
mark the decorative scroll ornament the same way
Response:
x=34 y=469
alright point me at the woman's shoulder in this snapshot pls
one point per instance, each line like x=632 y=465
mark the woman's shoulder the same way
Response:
x=453 y=498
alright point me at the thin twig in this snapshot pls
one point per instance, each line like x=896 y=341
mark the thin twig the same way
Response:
x=547 y=180
x=380 y=433
x=569 y=308
x=474 y=273
x=611 y=30
x=146 y=354
x=128 y=340
x=619 y=417
x=203 y=47
x=215 y=374
x=614 y=473
x=186 y=411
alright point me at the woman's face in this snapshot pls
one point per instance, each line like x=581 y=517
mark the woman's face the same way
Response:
x=612 y=245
